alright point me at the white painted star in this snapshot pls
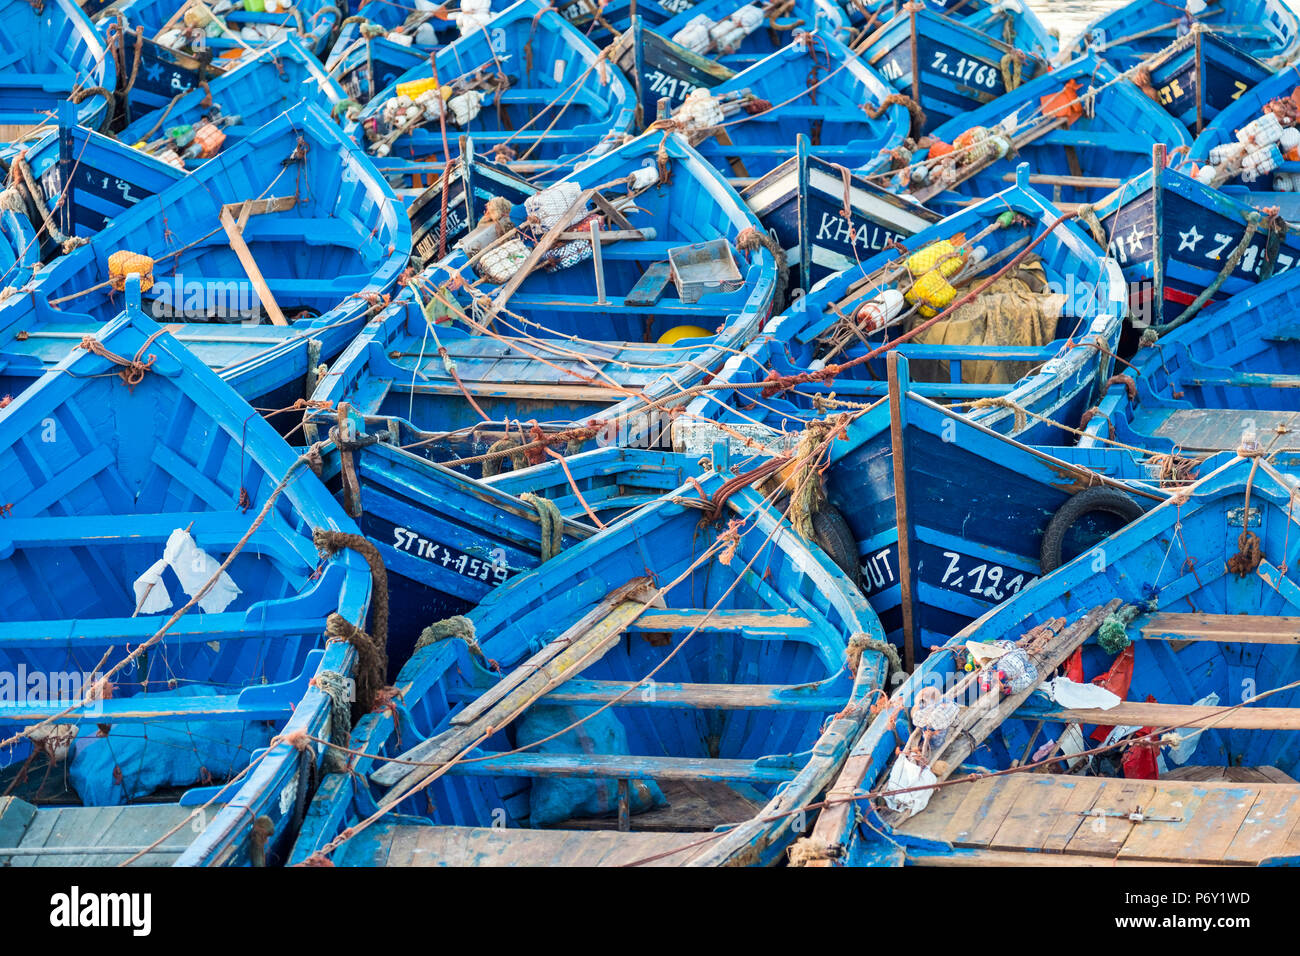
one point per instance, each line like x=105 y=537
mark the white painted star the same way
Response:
x=1135 y=239
x=1189 y=239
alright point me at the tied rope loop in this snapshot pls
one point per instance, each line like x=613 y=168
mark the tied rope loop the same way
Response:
x=329 y=543
x=860 y=643
x=458 y=628
x=492 y=464
x=551 y=521
x=340 y=690
x=131 y=370
x=749 y=240
x=914 y=111
x=263 y=827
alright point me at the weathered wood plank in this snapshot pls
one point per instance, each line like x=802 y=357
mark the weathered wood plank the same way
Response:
x=1226 y=628
x=702 y=696
x=586 y=641
x=619 y=767
x=1141 y=714
x=1267 y=824
x=494 y=846
x=1105 y=835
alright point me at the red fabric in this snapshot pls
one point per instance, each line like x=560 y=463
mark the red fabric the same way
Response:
x=1140 y=760
x=1074 y=666
x=1117 y=681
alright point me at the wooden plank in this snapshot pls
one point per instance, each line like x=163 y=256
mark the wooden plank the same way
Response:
x=1105 y=835
x=235 y=236
x=496 y=846
x=988 y=712
x=1141 y=714
x=784 y=697
x=586 y=641
x=1158 y=839
x=1212 y=819
x=553 y=648
x=539 y=250
x=1084 y=792
x=1227 y=628
x=1268 y=823
x=1041 y=799
x=995 y=812
x=987 y=858
x=650 y=287
x=588 y=766
x=674 y=619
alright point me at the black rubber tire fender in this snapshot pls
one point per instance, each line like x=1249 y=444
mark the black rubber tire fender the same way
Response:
x=1099 y=498
x=833 y=535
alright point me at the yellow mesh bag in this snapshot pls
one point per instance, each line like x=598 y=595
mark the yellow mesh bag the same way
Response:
x=122 y=263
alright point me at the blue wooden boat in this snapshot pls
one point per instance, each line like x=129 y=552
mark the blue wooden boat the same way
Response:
x=1267 y=30
x=981 y=515
x=19 y=250
x=383 y=39
x=110 y=529
x=1198 y=388
x=1183 y=244
x=151 y=74
x=234 y=26
x=528 y=88
x=803 y=203
x=262 y=86
x=602 y=23
x=1076 y=155
x=290 y=224
x=734 y=700
x=1274 y=189
x=967 y=57
x=707 y=44
x=595 y=349
x=50 y=52
x=814 y=88
x=440 y=217
x=737 y=39
x=1196 y=78
x=602 y=484
x=103 y=177
x=811 y=364
x=1190 y=621
x=446 y=540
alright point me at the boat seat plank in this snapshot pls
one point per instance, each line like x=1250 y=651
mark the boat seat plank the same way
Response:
x=1141 y=714
x=701 y=696
x=1263 y=774
x=620 y=767
x=1227 y=628
x=584 y=642
x=1023 y=826
x=412 y=845
x=650 y=288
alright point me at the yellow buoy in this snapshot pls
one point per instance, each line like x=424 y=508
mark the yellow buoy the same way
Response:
x=679 y=332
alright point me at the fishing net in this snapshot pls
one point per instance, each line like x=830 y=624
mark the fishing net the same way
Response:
x=135 y=760
x=1016 y=310
x=548 y=206
x=501 y=262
